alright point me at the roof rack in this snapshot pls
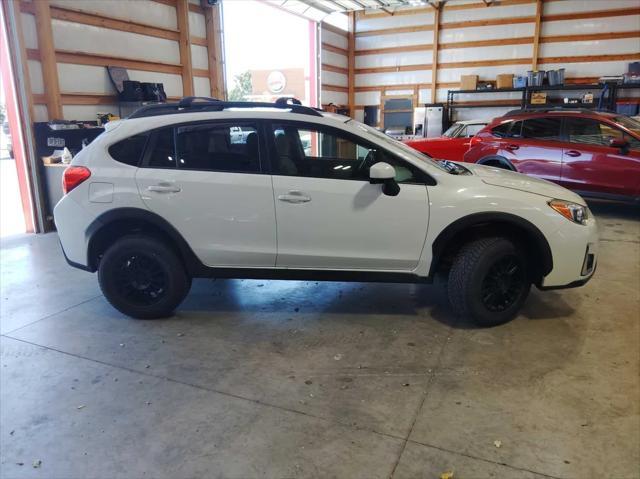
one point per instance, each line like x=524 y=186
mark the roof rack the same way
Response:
x=191 y=104
x=524 y=111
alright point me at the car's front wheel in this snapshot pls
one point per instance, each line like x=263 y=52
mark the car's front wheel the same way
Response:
x=143 y=278
x=489 y=281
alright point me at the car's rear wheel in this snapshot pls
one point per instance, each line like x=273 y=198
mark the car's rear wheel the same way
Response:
x=142 y=277
x=489 y=281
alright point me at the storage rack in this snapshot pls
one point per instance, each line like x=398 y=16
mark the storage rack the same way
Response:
x=525 y=98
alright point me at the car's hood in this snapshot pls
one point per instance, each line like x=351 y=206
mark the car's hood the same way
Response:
x=510 y=179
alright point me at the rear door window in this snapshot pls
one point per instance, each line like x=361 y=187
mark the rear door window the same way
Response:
x=160 y=152
x=224 y=147
x=542 y=128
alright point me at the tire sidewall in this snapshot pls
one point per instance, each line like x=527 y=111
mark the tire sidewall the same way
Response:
x=492 y=254
x=178 y=282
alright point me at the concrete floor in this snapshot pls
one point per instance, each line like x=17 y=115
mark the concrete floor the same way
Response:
x=303 y=379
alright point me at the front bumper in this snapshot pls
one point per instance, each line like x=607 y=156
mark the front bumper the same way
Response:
x=575 y=256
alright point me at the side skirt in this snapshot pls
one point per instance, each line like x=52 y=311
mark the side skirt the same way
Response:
x=311 y=275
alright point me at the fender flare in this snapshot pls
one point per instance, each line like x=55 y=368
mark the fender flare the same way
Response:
x=141 y=216
x=501 y=159
x=447 y=235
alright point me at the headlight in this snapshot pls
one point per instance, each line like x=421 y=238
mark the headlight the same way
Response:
x=572 y=211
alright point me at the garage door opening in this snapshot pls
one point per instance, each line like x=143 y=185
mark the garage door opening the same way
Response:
x=16 y=210
x=11 y=215
x=269 y=54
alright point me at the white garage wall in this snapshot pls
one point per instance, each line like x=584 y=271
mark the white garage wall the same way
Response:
x=89 y=35
x=381 y=73
x=334 y=64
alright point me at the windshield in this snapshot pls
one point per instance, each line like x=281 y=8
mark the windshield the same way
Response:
x=628 y=123
x=393 y=143
x=452 y=131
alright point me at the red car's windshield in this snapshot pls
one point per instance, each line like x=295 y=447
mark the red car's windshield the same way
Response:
x=628 y=123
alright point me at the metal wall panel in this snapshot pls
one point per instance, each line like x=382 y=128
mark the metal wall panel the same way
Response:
x=201 y=86
x=29 y=31
x=335 y=97
x=332 y=78
x=485 y=53
x=197 y=26
x=493 y=32
x=84 y=79
x=334 y=39
x=394 y=59
x=199 y=57
x=367 y=98
x=334 y=59
x=572 y=6
x=394 y=40
x=147 y=12
x=89 y=39
x=591 y=47
x=496 y=11
x=593 y=25
x=377 y=23
x=397 y=78
x=35 y=76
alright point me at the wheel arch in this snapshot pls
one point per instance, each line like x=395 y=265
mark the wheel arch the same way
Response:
x=119 y=222
x=473 y=226
x=501 y=160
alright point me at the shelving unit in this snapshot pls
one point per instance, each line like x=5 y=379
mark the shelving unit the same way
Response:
x=609 y=102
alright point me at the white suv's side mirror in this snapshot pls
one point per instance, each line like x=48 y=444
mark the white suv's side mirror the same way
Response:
x=381 y=171
x=385 y=174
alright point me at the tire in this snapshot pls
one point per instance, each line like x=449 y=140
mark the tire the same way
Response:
x=489 y=281
x=143 y=278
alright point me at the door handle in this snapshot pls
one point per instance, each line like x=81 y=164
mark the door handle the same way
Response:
x=512 y=147
x=164 y=188
x=573 y=153
x=294 y=196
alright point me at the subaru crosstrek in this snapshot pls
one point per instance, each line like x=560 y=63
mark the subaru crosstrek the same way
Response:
x=596 y=154
x=174 y=193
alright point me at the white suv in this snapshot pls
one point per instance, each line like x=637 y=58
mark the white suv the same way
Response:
x=174 y=193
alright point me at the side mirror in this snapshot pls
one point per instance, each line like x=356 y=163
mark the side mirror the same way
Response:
x=384 y=174
x=621 y=144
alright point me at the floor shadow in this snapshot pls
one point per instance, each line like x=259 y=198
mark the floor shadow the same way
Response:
x=611 y=209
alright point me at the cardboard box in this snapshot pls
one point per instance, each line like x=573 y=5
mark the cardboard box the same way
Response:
x=504 y=81
x=468 y=82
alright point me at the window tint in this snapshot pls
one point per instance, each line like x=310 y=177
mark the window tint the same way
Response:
x=218 y=147
x=591 y=132
x=320 y=153
x=160 y=151
x=542 y=128
x=129 y=150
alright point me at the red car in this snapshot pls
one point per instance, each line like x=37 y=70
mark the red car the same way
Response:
x=592 y=153
x=453 y=144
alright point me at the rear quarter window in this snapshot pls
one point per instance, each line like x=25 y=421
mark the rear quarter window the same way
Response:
x=129 y=151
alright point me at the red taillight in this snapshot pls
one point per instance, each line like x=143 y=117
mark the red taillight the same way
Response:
x=73 y=176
